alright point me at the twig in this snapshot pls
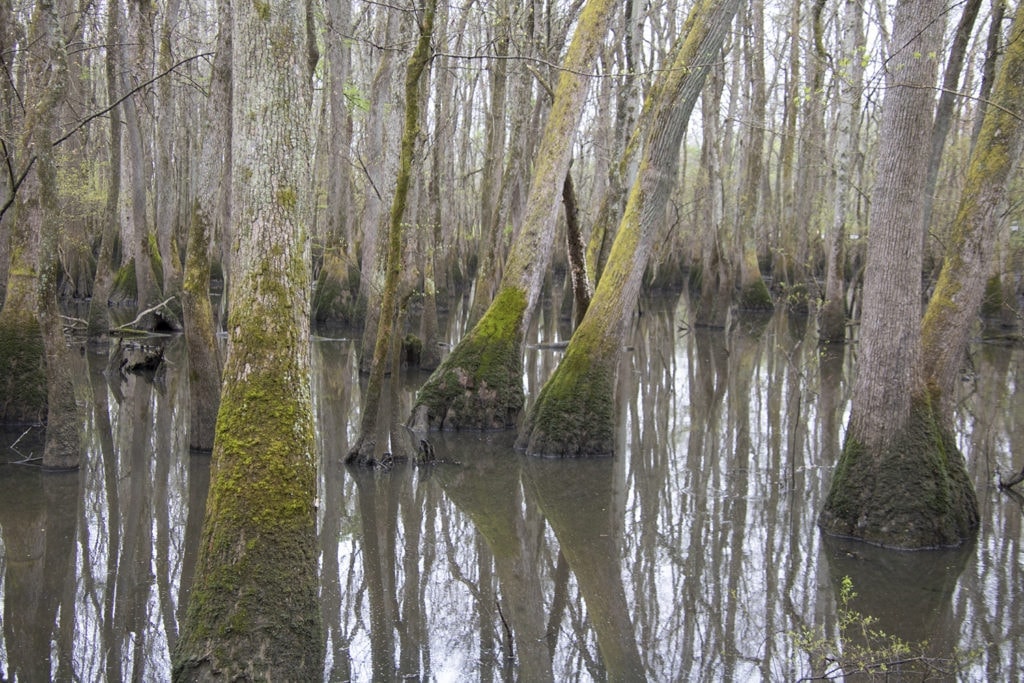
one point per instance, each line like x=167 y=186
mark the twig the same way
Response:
x=510 y=644
x=142 y=315
x=12 y=446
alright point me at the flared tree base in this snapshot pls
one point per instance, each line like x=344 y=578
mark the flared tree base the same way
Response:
x=915 y=495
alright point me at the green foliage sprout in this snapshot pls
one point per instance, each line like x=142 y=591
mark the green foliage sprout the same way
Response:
x=866 y=652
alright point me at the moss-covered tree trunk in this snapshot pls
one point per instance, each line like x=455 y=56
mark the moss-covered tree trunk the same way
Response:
x=204 y=363
x=574 y=414
x=900 y=480
x=253 y=612
x=957 y=299
x=479 y=385
x=365 y=449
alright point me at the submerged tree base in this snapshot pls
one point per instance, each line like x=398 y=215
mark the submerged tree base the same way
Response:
x=574 y=415
x=22 y=370
x=915 y=495
x=479 y=385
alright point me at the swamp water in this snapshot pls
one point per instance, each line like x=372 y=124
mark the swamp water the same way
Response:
x=691 y=555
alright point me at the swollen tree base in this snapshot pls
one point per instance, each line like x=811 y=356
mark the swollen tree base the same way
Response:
x=574 y=415
x=479 y=385
x=916 y=494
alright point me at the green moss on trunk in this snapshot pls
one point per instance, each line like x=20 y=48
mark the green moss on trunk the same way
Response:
x=259 y=538
x=756 y=297
x=574 y=414
x=480 y=385
x=915 y=495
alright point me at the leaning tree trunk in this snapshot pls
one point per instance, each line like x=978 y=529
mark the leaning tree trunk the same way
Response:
x=480 y=384
x=954 y=306
x=363 y=452
x=575 y=412
x=900 y=480
x=254 y=613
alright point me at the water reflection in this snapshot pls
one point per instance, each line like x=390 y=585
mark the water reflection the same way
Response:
x=689 y=556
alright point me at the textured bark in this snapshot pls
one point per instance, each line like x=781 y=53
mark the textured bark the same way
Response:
x=365 y=450
x=253 y=612
x=480 y=384
x=33 y=352
x=574 y=413
x=491 y=175
x=900 y=480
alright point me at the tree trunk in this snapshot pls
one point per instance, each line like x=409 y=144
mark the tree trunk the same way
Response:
x=204 y=364
x=169 y=154
x=99 y=320
x=146 y=290
x=254 y=611
x=900 y=480
x=753 y=293
x=575 y=412
x=832 y=316
x=480 y=384
x=365 y=450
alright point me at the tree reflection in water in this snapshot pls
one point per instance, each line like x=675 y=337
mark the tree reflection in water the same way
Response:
x=689 y=556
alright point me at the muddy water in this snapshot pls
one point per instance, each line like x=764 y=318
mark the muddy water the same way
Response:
x=691 y=555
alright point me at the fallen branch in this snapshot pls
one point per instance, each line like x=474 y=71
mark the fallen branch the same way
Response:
x=140 y=316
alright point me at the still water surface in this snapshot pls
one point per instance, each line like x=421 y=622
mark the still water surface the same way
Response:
x=691 y=555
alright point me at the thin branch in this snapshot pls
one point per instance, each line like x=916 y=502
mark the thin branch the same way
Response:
x=142 y=315
x=131 y=92
x=83 y=122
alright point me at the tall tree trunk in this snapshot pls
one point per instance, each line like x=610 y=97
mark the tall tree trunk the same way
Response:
x=98 y=322
x=146 y=290
x=494 y=157
x=204 y=363
x=46 y=68
x=169 y=155
x=753 y=293
x=254 y=611
x=575 y=412
x=480 y=384
x=900 y=480
x=988 y=69
x=832 y=316
x=375 y=166
x=365 y=450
